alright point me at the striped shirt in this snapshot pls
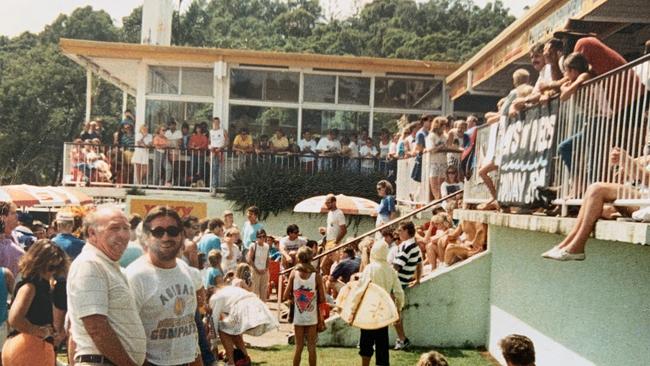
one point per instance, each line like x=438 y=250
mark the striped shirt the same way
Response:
x=408 y=257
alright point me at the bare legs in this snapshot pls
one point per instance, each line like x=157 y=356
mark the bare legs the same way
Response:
x=229 y=343
x=299 y=334
x=484 y=173
x=591 y=210
x=434 y=184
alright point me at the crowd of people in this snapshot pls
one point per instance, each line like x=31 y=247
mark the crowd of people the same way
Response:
x=169 y=156
x=191 y=281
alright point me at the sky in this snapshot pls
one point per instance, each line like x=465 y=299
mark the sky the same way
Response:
x=32 y=15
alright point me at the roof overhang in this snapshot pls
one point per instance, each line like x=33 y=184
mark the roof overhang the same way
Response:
x=490 y=70
x=117 y=62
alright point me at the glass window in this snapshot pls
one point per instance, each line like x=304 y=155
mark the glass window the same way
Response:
x=320 y=88
x=264 y=85
x=159 y=112
x=347 y=122
x=163 y=80
x=408 y=93
x=392 y=122
x=354 y=90
x=197 y=81
x=263 y=121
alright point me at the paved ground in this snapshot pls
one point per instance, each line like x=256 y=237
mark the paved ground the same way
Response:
x=275 y=338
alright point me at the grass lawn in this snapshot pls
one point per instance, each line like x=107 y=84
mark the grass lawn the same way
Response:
x=331 y=356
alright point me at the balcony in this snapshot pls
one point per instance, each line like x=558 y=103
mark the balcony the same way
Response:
x=93 y=165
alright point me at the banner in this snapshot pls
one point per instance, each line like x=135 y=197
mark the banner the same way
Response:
x=142 y=206
x=525 y=150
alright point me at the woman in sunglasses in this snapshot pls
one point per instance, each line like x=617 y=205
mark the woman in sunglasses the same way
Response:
x=32 y=340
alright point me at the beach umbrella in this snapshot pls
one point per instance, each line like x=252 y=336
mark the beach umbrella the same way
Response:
x=27 y=196
x=350 y=205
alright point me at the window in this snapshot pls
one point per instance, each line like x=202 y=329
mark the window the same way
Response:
x=167 y=80
x=160 y=112
x=391 y=122
x=319 y=121
x=264 y=85
x=163 y=80
x=354 y=90
x=197 y=81
x=320 y=88
x=263 y=121
x=408 y=93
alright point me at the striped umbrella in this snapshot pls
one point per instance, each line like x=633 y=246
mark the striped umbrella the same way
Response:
x=26 y=196
x=350 y=205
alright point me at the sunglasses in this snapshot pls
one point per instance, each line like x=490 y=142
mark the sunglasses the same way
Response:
x=159 y=232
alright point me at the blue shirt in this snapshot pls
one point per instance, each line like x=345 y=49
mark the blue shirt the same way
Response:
x=250 y=233
x=386 y=206
x=421 y=138
x=70 y=244
x=208 y=242
x=211 y=277
x=133 y=251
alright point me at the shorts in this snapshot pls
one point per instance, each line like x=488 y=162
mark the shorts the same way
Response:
x=375 y=341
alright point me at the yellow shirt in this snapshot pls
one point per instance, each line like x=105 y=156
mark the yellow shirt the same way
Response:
x=279 y=143
x=243 y=142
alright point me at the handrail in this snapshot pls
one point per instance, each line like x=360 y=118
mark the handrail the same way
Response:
x=382 y=227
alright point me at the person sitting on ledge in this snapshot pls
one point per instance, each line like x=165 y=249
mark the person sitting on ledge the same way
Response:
x=593 y=205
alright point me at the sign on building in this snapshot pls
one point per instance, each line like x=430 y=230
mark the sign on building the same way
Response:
x=526 y=149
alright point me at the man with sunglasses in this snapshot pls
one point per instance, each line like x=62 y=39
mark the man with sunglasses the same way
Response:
x=166 y=291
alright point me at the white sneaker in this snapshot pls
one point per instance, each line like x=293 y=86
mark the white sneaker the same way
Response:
x=564 y=255
x=399 y=345
x=550 y=252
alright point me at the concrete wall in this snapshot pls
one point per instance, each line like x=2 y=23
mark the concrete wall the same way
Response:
x=449 y=309
x=274 y=225
x=595 y=312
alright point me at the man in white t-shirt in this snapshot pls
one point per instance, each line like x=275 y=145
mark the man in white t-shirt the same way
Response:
x=369 y=152
x=334 y=232
x=290 y=244
x=166 y=291
x=327 y=146
x=174 y=138
x=307 y=147
x=218 y=144
x=104 y=321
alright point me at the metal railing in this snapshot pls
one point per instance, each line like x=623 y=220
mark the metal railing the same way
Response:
x=87 y=164
x=608 y=112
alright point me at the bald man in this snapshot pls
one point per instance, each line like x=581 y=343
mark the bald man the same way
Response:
x=105 y=324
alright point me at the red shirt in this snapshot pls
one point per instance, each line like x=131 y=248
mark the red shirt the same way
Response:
x=198 y=141
x=601 y=58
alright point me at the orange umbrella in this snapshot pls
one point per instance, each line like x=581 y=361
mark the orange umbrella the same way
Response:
x=26 y=196
x=350 y=205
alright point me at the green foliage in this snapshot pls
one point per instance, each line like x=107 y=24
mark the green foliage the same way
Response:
x=274 y=189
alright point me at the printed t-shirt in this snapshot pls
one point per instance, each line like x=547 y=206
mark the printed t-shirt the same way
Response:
x=166 y=301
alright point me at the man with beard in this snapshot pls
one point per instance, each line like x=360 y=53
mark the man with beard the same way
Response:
x=105 y=325
x=165 y=291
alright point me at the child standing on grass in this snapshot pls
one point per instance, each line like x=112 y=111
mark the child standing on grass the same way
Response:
x=258 y=258
x=306 y=291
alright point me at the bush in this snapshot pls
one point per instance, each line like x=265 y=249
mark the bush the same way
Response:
x=274 y=189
